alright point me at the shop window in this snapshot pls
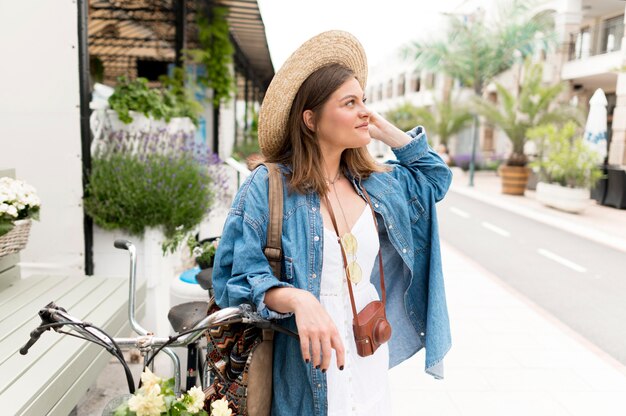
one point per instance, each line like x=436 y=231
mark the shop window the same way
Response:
x=612 y=34
x=415 y=83
x=401 y=86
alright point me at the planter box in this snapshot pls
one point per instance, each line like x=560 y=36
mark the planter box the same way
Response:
x=574 y=200
x=152 y=267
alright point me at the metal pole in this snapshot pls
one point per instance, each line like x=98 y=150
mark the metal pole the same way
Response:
x=85 y=132
x=473 y=156
x=246 y=99
x=180 y=7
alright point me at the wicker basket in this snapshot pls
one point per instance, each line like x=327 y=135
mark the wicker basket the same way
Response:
x=16 y=239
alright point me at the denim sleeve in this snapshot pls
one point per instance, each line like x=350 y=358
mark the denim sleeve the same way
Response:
x=419 y=163
x=241 y=272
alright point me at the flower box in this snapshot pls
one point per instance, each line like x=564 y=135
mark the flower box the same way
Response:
x=16 y=239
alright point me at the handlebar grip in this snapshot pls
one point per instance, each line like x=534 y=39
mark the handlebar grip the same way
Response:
x=122 y=244
x=34 y=336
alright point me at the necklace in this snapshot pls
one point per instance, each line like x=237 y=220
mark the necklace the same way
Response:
x=334 y=180
x=350 y=245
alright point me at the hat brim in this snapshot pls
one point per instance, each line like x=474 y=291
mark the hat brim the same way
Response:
x=330 y=47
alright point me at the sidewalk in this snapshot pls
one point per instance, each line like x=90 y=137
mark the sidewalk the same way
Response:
x=605 y=225
x=508 y=358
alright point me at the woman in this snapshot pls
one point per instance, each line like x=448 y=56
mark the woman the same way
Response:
x=315 y=124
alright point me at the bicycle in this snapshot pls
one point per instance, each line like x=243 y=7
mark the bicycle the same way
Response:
x=189 y=320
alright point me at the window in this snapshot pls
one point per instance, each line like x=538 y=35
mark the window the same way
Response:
x=401 y=85
x=389 y=92
x=380 y=92
x=151 y=70
x=612 y=34
x=582 y=45
x=415 y=83
x=429 y=81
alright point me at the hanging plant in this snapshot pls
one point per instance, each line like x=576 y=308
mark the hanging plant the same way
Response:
x=215 y=54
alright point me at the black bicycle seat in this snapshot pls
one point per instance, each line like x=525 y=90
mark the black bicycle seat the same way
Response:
x=186 y=315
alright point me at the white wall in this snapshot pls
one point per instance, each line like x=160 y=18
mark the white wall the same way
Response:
x=40 y=126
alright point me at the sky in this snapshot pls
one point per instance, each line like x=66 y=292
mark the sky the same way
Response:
x=382 y=26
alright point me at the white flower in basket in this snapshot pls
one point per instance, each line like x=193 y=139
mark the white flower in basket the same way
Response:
x=156 y=397
x=19 y=204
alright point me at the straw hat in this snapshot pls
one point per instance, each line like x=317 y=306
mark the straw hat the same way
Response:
x=330 y=47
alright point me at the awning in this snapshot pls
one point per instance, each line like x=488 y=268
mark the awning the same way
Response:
x=124 y=31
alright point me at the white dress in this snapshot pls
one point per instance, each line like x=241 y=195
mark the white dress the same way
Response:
x=362 y=388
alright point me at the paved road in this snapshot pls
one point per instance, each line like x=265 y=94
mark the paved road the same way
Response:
x=580 y=282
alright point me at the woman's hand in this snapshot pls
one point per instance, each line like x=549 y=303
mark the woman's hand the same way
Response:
x=317 y=331
x=381 y=129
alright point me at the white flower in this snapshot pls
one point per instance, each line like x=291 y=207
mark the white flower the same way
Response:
x=149 y=380
x=151 y=403
x=17 y=198
x=197 y=400
x=12 y=211
x=220 y=408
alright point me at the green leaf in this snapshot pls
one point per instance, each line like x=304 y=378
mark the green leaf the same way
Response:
x=5 y=227
x=123 y=410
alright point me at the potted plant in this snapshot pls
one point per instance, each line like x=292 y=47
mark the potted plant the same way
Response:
x=136 y=107
x=19 y=204
x=203 y=254
x=534 y=104
x=567 y=167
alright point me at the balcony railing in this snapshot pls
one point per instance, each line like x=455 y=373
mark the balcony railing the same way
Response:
x=597 y=40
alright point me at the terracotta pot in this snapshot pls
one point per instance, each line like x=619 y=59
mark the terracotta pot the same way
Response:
x=514 y=179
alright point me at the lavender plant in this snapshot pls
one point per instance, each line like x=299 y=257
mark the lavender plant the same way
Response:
x=152 y=179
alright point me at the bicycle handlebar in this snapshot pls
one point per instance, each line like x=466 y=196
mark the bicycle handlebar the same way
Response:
x=34 y=336
x=52 y=314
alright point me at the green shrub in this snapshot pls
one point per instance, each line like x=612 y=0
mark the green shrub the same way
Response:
x=174 y=99
x=564 y=158
x=136 y=96
x=133 y=193
x=141 y=180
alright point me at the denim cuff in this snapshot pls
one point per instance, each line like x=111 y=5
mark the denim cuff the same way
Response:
x=258 y=297
x=415 y=149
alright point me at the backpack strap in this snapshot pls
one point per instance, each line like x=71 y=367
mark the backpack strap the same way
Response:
x=273 y=249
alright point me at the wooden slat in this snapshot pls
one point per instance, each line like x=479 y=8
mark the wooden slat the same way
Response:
x=75 y=392
x=61 y=360
x=8 y=277
x=8 y=261
x=7 y=172
x=24 y=307
x=14 y=364
x=15 y=289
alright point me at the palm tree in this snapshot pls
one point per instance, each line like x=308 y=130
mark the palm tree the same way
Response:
x=519 y=111
x=442 y=120
x=474 y=50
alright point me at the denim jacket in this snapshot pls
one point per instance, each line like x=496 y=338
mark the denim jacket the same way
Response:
x=404 y=201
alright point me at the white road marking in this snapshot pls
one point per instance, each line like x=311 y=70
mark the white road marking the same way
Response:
x=459 y=212
x=561 y=260
x=496 y=229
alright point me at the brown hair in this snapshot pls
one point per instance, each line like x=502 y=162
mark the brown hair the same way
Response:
x=301 y=149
